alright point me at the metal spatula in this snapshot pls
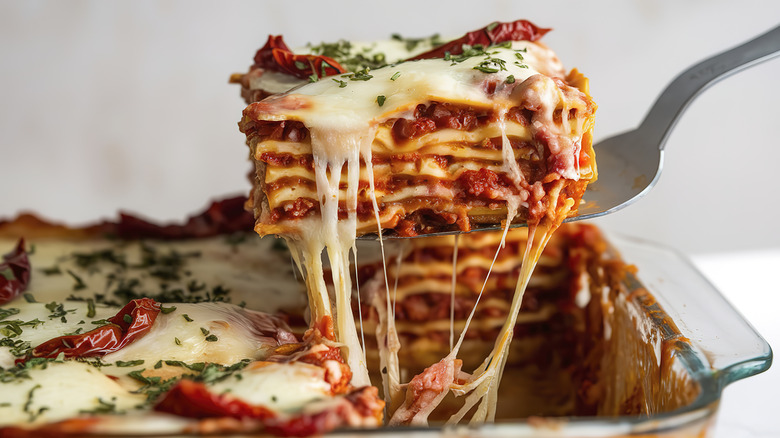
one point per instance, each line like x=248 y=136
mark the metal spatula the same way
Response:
x=630 y=163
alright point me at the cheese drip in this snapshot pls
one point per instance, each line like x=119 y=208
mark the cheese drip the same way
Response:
x=333 y=149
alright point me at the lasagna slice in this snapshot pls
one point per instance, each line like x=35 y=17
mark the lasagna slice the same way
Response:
x=477 y=134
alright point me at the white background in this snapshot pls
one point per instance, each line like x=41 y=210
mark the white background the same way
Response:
x=125 y=105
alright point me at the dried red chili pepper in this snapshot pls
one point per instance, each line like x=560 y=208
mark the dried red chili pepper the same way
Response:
x=14 y=273
x=132 y=322
x=276 y=56
x=194 y=400
x=224 y=216
x=496 y=33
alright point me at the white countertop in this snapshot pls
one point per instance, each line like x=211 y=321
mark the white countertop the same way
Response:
x=748 y=280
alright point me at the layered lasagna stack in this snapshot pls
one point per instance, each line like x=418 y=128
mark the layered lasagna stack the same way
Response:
x=462 y=135
x=432 y=304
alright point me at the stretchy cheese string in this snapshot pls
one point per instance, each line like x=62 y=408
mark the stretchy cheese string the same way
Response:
x=388 y=357
x=360 y=309
x=452 y=294
x=409 y=413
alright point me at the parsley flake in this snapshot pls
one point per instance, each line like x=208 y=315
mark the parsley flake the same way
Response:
x=79 y=282
x=129 y=363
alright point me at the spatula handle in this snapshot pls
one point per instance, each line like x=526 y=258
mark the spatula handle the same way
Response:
x=685 y=87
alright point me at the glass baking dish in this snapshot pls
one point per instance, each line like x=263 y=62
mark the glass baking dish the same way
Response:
x=684 y=319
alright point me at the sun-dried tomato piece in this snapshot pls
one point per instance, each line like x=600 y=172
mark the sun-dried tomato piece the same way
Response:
x=194 y=400
x=14 y=273
x=496 y=33
x=132 y=322
x=221 y=217
x=276 y=56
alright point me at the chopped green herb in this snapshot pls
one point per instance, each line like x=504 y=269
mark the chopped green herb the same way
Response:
x=187 y=317
x=300 y=65
x=90 y=260
x=18 y=348
x=158 y=365
x=103 y=407
x=58 y=310
x=90 y=308
x=342 y=84
x=127 y=318
x=75 y=332
x=345 y=54
x=197 y=366
x=28 y=403
x=361 y=75
x=129 y=363
x=167 y=310
x=395 y=76
x=380 y=100
x=79 y=282
x=491 y=65
x=13 y=328
x=5 y=313
x=29 y=297
x=212 y=338
x=412 y=43
x=177 y=341
x=204 y=331
x=54 y=270
x=510 y=79
x=492 y=26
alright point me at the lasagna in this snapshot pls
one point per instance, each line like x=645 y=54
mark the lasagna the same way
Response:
x=485 y=129
x=218 y=355
x=163 y=333
x=435 y=283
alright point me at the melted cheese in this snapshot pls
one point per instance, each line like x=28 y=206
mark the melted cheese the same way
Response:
x=393 y=51
x=285 y=388
x=253 y=271
x=59 y=391
x=174 y=337
x=184 y=333
x=353 y=108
